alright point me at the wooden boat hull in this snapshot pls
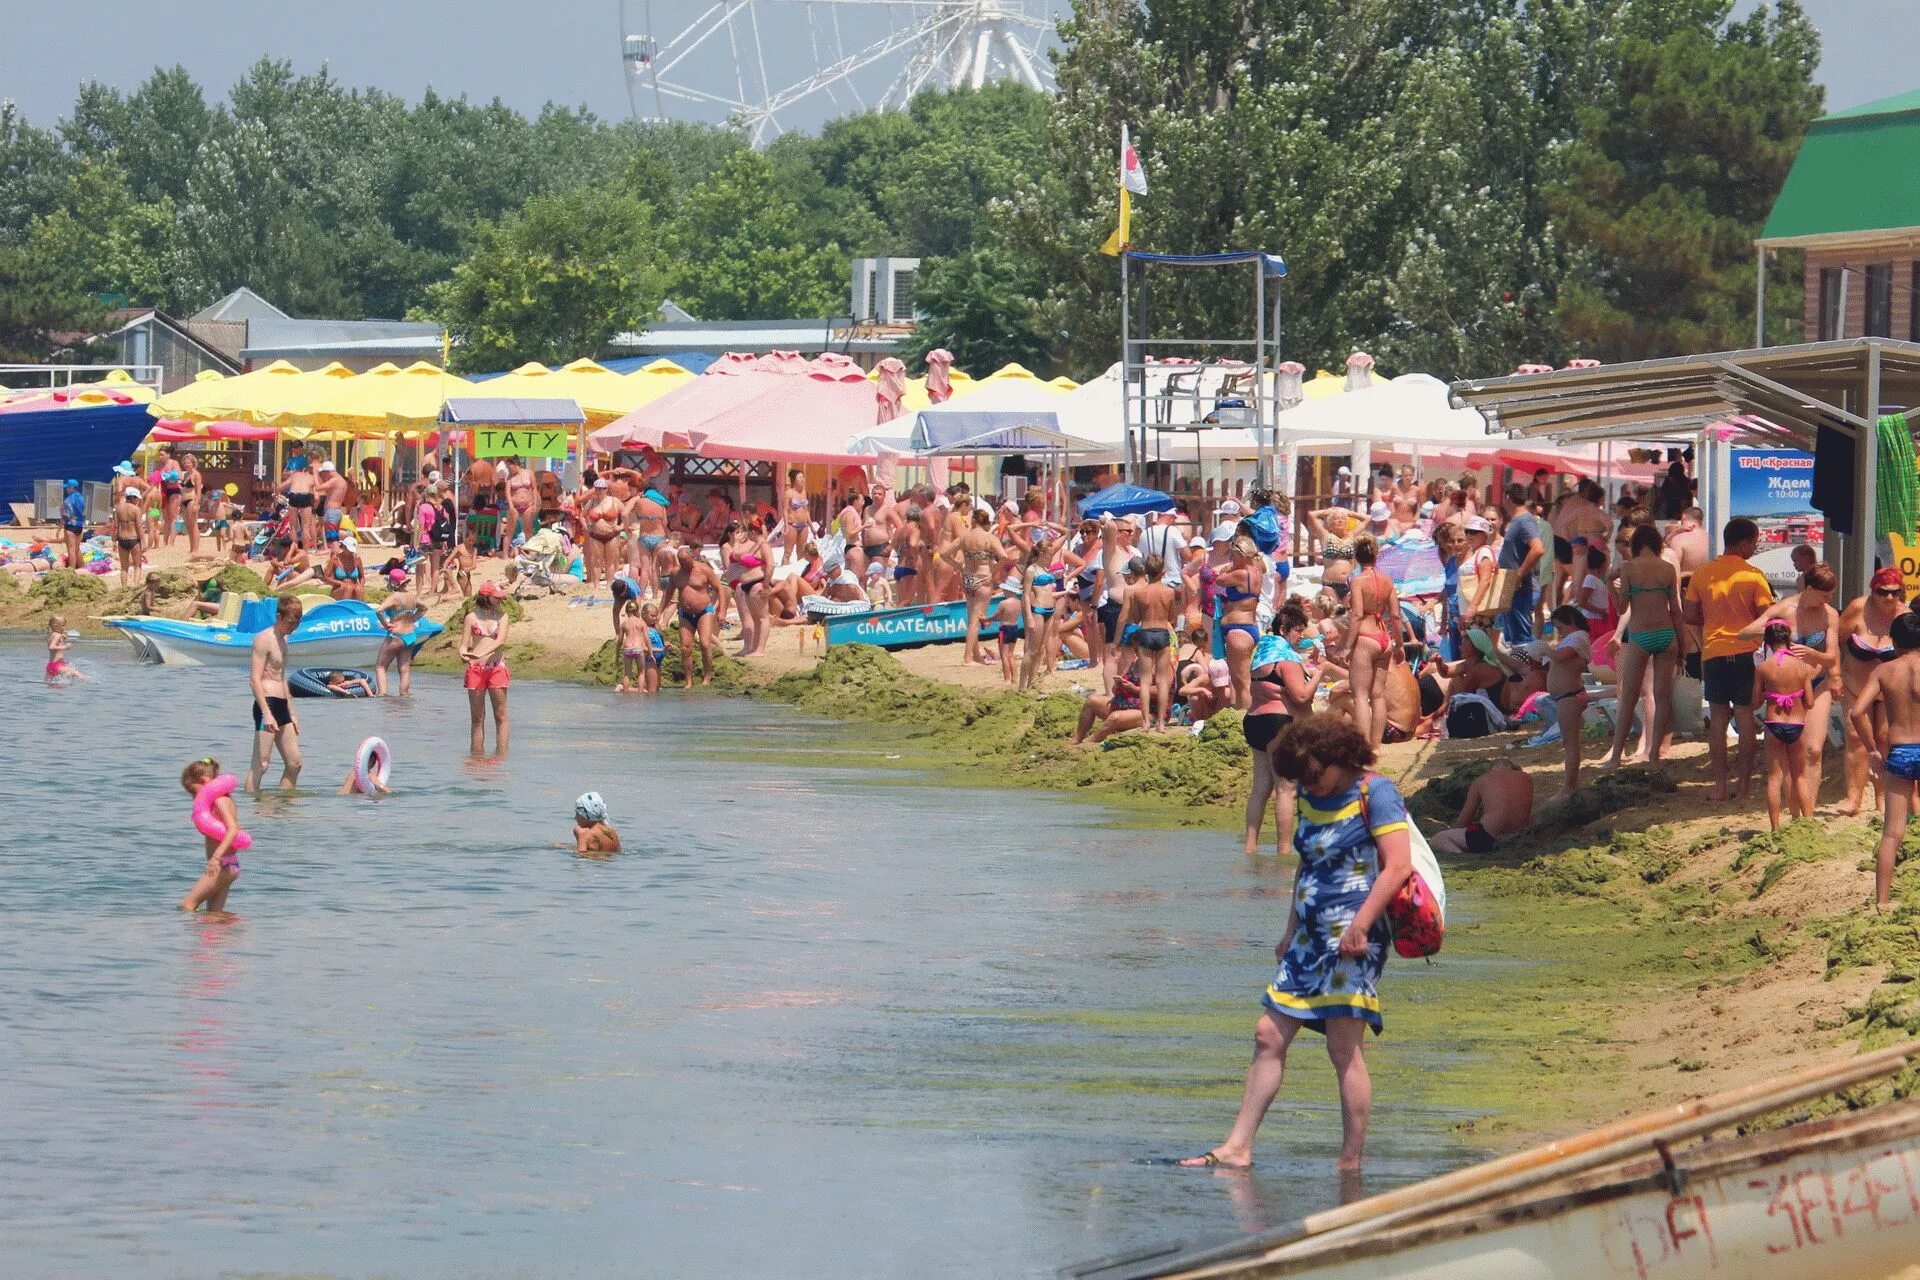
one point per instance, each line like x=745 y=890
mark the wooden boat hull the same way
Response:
x=1791 y=1206
x=1650 y=1197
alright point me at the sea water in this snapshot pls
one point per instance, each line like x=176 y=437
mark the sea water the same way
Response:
x=819 y=1018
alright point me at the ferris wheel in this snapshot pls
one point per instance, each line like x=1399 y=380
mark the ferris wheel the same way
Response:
x=767 y=65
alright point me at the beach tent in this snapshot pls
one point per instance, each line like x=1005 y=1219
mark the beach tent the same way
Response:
x=79 y=440
x=801 y=410
x=1013 y=399
x=1125 y=500
x=795 y=418
x=1412 y=410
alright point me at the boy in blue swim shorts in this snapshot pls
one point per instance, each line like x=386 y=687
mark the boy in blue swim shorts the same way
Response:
x=1894 y=687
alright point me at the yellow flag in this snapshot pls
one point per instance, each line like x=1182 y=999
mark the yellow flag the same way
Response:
x=1121 y=236
x=1133 y=180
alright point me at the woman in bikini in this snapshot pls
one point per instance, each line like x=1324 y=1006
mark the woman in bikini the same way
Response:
x=192 y=488
x=1652 y=638
x=798 y=516
x=1374 y=607
x=1282 y=691
x=520 y=504
x=483 y=642
x=1567 y=664
x=1336 y=527
x=751 y=553
x=1864 y=644
x=1038 y=589
x=909 y=551
x=1783 y=689
x=603 y=514
x=399 y=613
x=977 y=554
x=345 y=571
x=1239 y=586
x=1815 y=637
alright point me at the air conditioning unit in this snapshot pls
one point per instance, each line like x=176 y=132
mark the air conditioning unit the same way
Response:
x=883 y=290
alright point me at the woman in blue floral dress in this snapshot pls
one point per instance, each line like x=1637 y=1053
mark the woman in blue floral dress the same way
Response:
x=1351 y=839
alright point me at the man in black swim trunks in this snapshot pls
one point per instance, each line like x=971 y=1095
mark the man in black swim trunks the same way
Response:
x=1499 y=804
x=274 y=724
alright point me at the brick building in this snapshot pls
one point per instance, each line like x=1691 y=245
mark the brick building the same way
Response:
x=1852 y=203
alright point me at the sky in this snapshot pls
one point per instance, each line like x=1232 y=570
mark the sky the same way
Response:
x=567 y=51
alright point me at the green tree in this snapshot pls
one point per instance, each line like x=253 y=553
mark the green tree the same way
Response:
x=554 y=281
x=42 y=313
x=106 y=242
x=985 y=308
x=737 y=252
x=1670 y=177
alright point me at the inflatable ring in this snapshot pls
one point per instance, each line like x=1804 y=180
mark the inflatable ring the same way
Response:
x=371 y=764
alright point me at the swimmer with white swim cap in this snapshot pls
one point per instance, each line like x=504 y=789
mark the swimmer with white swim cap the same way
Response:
x=591 y=832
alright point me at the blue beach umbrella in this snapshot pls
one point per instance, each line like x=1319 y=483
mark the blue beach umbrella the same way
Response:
x=1125 y=500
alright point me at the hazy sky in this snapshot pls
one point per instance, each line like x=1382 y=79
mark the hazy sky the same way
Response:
x=565 y=50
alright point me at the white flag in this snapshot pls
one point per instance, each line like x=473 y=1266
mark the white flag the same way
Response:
x=1132 y=176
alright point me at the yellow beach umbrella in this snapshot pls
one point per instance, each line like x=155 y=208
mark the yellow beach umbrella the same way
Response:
x=1064 y=383
x=652 y=381
x=602 y=394
x=1014 y=373
x=387 y=401
x=239 y=397
x=1324 y=384
x=300 y=396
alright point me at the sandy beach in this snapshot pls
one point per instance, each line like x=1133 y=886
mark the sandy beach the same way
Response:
x=1638 y=947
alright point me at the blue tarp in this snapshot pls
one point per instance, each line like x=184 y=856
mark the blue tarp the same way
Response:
x=990 y=431
x=1125 y=500
x=1274 y=264
x=67 y=444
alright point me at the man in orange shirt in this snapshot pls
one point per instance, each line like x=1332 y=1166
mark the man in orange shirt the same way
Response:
x=1726 y=595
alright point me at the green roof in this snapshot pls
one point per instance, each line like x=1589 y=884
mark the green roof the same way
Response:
x=1855 y=172
x=1898 y=104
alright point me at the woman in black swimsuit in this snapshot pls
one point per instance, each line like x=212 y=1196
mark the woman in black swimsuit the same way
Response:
x=1282 y=689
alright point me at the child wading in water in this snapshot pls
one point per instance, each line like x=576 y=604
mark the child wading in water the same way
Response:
x=1571 y=653
x=635 y=649
x=591 y=834
x=1783 y=687
x=1894 y=688
x=58 y=642
x=217 y=820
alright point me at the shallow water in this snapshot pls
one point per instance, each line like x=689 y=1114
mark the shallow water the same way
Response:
x=813 y=1021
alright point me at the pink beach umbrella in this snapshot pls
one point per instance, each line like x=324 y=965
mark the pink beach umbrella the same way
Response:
x=892 y=390
x=939 y=375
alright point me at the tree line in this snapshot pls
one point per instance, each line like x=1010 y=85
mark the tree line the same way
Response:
x=1457 y=186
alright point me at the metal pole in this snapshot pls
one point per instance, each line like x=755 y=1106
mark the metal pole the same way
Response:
x=1866 y=452
x=1126 y=370
x=1760 y=299
x=1264 y=469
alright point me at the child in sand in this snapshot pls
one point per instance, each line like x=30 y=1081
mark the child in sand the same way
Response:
x=1567 y=663
x=1893 y=686
x=219 y=822
x=58 y=642
x=634 y=649
x=458 y=571
x=591 y=833
x=1783 y=688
